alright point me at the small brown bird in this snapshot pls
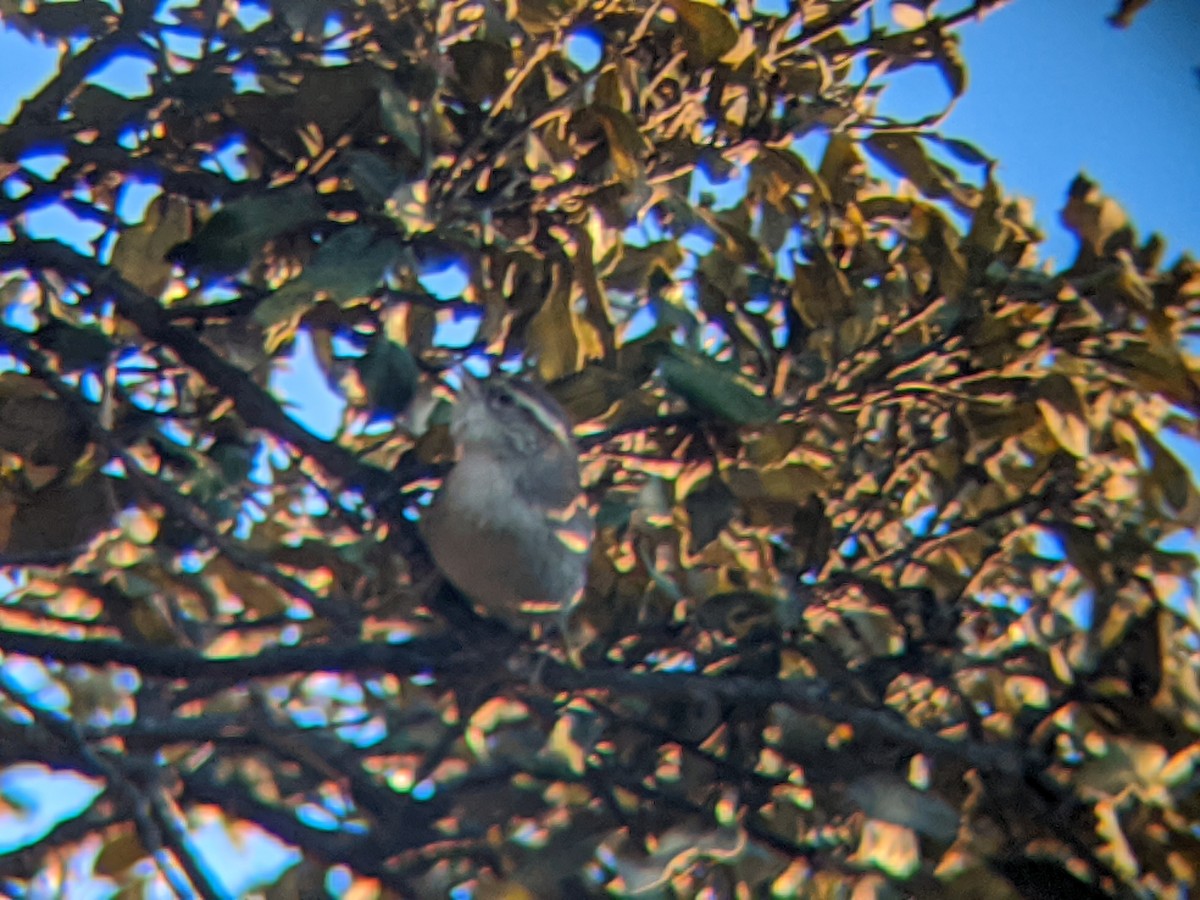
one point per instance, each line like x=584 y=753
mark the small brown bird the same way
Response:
x=510 y=527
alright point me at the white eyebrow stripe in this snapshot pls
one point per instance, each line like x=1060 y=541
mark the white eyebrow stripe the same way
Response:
x=544 y=416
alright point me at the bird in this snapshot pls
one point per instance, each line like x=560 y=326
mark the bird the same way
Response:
x=510 y=526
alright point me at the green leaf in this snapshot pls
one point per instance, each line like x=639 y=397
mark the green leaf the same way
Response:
x=554 y=334
x=988 y=233
x=626 y=145
x=593 y=392
x=349 y=264
x=1082 y=551
x=63 y=514
x=614 y=513
x=541 y=16
x=842 y=169
x=950 y=63
x=709 y=508
x=714 y=389
x=389 y=375
x=51 y=21
x=892 y=800
x=98 y=107
x=963 y=150
x=400 y=118
x=637 y=266
x=235 y=233
x=77 y=347
x=1167 y=473
x=37 y=426
x=372 y=176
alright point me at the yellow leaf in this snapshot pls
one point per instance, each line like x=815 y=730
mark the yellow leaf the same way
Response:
x=8 y=512
x=626 y=145
x=1063 y=412
x=1092 y=217
x=708 y=32
x=909 y=16
x=554 y=339
x=1116 y=850
x=119 y=854
x=140 y=252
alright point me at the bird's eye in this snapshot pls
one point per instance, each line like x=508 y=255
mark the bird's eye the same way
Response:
x=504 y=398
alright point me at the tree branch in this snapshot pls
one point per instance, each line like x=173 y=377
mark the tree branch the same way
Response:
x=445 y=656
x=417 y=656
x=254 y=404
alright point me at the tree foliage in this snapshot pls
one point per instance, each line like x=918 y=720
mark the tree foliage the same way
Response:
x=888 y=592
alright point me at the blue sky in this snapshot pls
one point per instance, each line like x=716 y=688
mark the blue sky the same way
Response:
x=1054 y=90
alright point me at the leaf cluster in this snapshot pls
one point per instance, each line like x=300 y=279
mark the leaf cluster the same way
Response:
x=887 y=593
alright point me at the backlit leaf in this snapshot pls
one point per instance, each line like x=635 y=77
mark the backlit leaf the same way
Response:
x=708 y=32
x=140 y=254
x=1063 y=411
x=1096 y=220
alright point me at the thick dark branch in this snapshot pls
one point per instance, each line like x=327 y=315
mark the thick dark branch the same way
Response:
x=111 y=769
x=878 y=725
x=26 y=860
x=444 y=656
x=198 y=870
x=337 y=609
x=414 y=657
x=365 y=853
x=37 y=120
x=254 y=404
